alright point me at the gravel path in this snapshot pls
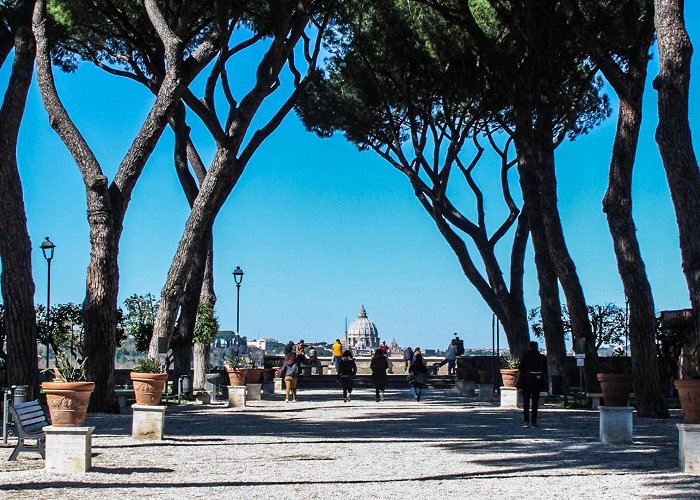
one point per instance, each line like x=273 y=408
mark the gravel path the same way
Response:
x=321 y=447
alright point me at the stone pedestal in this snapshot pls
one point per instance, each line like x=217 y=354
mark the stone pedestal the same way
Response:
x=236 y=395
x=148 y=422
x=616 y=424
x=464 y=387
x=68 y=449
x=510 y=397
x=688 y=448
x=279 y=385
x=254 y=392
x=268 y=387
x=485 y=392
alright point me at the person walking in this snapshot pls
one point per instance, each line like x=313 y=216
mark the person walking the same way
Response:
x=418 y=375
x=347 y=369
x=532 y=380
x=337 y=348
x=407 y=358
x=450 y=358
x=290 y=374
x=379 y=365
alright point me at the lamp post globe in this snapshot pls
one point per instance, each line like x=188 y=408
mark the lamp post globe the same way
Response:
x=238 y=279
x=47 y=248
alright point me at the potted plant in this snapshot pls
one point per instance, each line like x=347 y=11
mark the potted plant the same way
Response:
x=616 y=382
x=149 y=380
x=688 y=387
x=68 y=395
x=236 y=369
x=254 y=375
x=509 y=372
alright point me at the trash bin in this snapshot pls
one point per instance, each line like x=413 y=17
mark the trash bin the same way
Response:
x=21 y=394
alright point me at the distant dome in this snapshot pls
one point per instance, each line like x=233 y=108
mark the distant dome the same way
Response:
x=362 y=333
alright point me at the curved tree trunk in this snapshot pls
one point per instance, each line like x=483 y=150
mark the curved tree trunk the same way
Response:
x=617 y=206
x=550 y=307
x=201 y=351
x=15 y=245
x=675 y=141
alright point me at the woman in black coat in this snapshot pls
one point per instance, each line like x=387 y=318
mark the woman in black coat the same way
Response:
x=379 y=365
x=418 y=373
x=347 y=369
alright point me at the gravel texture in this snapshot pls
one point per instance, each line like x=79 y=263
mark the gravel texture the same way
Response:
x=323 y=448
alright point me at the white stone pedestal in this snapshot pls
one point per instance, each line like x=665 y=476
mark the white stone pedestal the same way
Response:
x=236 y=395
x=148 y=422
x=68 y=449
x=510 y=397
x=616 y=424
x=268 y=387
x=254 y=392
x=688 y=448
x=464 y=387
x=485 y=392
x=279 y=385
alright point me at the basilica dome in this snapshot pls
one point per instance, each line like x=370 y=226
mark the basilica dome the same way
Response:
x=362 y=333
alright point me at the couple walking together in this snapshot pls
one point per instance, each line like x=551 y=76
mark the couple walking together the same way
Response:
x=347 y=369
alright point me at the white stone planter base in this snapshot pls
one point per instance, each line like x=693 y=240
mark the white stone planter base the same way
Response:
x=68 y=449
x=268 y=387
x=688 y=448
x=464 y=387
x=148 y=422
x=511 y=397
x=486 y=392
x=254 y=392
x=616 y=424
x=279 y=385
x=236 y=395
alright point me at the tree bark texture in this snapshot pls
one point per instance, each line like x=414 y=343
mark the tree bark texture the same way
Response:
x=15 y=245
x=617 y=206
x=535 y=151
x=550 y=307
x=201 y=364
x=675 y=141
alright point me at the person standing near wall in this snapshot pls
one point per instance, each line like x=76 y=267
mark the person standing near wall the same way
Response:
x=418 y=374
x=347 y=369
x=379 y=365
x=290 y=375
x=337 y=348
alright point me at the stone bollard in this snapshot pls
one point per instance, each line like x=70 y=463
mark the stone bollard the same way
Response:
x=464 y=387
x=510 y=397
x=68 y=449
x=268 y=387
x=689 y=448
x=279 y=385
x=616 y=424
x=236 y=395
x=148 y=422
x=485 y=392
x=254 y=392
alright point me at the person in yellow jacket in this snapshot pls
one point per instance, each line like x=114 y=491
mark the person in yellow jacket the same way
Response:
x=337 y=354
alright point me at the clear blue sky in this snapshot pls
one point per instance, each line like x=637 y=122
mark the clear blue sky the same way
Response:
x=320 y=228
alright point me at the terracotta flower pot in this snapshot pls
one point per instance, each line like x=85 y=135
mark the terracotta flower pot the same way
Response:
x=254 y=376
x=616 y=388
x=689 y=394
x=148 y=387
x=509 y=376
x=237 y=376
x=68 y=402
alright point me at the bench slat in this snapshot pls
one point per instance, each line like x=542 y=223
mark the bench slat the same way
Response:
x=28 y=410
x=30 y=414
x=36 y=419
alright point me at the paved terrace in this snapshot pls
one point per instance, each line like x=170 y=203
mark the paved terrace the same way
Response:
x=322 y=448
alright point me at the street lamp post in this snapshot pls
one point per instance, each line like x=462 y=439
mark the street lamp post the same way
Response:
x=47 y=248
x=238 y=278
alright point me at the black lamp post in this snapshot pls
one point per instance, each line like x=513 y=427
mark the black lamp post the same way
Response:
x=47 y=248
x=238 y=278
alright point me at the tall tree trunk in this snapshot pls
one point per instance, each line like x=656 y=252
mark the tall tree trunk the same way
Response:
x=617 y=206
x=201 y=364
x=15 y=245
x=538 y=183
x=550 y=307
x=201 y=351
x=675 y=141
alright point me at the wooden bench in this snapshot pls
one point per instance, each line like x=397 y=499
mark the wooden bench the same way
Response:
x=595 y=398
x=29 y=419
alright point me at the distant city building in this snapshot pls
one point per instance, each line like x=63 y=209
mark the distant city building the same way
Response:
x=260 y=343
x=362 y=334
